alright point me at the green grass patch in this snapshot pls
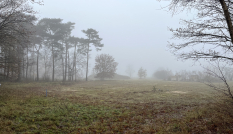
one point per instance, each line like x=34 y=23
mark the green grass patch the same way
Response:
x=50 y=115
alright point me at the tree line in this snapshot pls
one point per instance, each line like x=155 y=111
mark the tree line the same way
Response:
x=29 y=45
x=184 y=75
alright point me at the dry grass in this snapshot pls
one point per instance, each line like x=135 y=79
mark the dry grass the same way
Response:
x=131 y=106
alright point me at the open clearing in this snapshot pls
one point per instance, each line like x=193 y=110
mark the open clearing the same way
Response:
x=113 y=107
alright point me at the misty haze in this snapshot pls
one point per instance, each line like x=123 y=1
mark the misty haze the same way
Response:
x=114 y=66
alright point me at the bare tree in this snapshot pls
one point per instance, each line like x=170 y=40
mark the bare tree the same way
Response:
x=142 y=73
x=130 y=71
x=209 y=35
x=228 y=73
x=105 y=66
x=217 y=71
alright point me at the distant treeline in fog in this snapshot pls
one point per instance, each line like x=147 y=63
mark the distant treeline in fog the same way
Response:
x=184 y=75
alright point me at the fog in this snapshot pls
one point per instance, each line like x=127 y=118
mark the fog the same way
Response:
x=134 y=32
x=116 y=66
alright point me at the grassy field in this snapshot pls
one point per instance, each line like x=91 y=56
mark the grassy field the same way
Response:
x=131 y=106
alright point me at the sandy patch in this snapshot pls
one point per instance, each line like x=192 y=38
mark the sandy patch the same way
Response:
x=168 y=85
x=68 y=89
x=116 y=88
x=177 y=92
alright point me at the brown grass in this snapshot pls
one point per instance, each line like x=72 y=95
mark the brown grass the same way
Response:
x=130 y=106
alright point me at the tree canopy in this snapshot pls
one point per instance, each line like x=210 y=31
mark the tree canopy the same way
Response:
x=105 y=66
x=142 y=73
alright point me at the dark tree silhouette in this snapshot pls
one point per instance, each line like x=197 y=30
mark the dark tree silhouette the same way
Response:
x=16 y=20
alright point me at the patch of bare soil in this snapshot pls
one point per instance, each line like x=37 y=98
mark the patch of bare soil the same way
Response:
x=68 y=89
x=116 y=88
x=177 y=92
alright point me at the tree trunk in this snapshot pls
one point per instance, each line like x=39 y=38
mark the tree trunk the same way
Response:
x=75 y=64
x=37 y=65
x=63 y=75
x=19 y=65
x=53 y=64
x=87 y=61
x=75 y=72
x=27 y=64
x=30 y=72
x=8 y=64
x=23 y=65
x=227 y=17
x=66 y=62
x=33 y=63
x=45 y=68
x=5 y=68
x=68 y=66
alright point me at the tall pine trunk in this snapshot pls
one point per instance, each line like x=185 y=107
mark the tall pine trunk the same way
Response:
x=45 y=68
x=19 y=64
x=74 y=64
x=37 y=65
x=5 y=67
x=23 y=65
x=68 y=66
x=8 y=65
x=33 y=66
x=66 y=62
x=27 y=64
x=63 y=75
x=87 y=61
x=53 y=64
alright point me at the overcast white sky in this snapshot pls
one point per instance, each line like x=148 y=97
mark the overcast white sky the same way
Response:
x=134 y=32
